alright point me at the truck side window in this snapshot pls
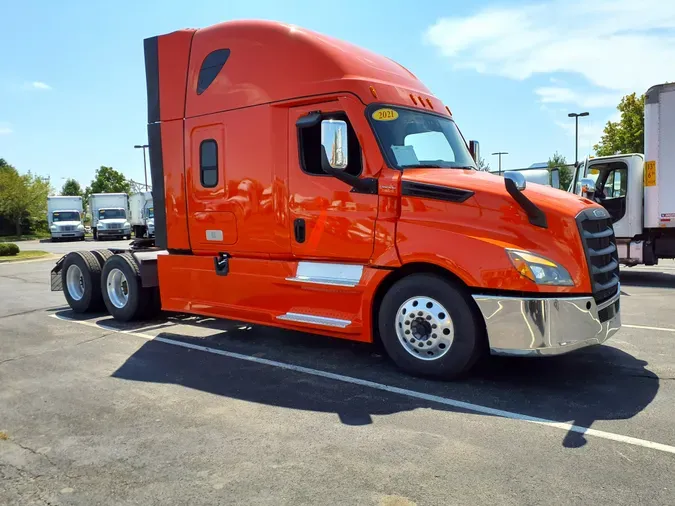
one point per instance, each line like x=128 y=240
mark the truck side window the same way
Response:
x=208 y=163
x=309 y=140
x=210 y=68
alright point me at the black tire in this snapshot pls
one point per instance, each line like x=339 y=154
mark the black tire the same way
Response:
x=138 y=297
x=468 y=341
x=102 y=255
x=91 y=279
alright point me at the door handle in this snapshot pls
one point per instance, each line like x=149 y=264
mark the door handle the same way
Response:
x=299 y=229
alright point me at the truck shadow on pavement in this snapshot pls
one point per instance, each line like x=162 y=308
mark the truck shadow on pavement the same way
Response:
x=594 y=384
x=651 y=279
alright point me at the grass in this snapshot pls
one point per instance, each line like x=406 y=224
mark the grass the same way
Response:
x=24 y=255
x=29 y=237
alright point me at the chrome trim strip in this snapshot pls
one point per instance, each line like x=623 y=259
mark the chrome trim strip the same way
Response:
x=328 y=274
x=314 y=320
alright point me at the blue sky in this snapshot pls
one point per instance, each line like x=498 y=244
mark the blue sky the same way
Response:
x=72 y=87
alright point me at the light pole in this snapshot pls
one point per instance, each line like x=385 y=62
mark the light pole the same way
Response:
x=576 y=117
x=500 y=153
x=145 y=167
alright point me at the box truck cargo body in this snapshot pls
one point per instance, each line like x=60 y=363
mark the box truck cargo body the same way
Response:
x=141 y=214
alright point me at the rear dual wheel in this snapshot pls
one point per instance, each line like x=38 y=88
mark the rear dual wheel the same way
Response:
x=123 y=294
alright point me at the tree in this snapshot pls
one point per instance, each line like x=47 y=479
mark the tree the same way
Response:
x=558 y=161
x=22 y=196
x=108 y=180
x=483 y=165
x=72 y=188
x=627 y=134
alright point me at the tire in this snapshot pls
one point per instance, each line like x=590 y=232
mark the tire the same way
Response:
x=123 y=295
x=102 y=255
x=88 y=297
x=447 y=350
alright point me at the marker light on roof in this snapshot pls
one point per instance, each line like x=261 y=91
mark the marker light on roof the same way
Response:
x=373 y=92
x=413 y=99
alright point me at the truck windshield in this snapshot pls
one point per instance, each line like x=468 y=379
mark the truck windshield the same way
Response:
x=415 y=139
x=110 y=214
x=66 y=216
x=151 y=213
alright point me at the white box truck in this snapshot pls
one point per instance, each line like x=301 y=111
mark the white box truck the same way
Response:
x=141 y=214
x=109 y=215
x=639 y=190
x=64 y=216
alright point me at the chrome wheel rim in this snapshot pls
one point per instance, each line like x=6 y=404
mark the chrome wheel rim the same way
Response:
x=424 y=328
x=118 y=288
x=75 y=282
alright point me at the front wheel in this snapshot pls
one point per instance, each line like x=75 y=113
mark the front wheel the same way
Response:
x=429 y=327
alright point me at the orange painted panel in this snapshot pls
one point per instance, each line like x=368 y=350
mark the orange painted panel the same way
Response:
x=178 y=236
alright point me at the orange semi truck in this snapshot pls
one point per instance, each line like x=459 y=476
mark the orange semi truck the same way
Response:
x=305 y=183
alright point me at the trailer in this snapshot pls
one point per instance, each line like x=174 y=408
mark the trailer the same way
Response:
x=340 y=198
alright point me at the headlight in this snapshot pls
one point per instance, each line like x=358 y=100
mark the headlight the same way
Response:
x=101 y=225
x=539 y=269
x=127 y=225
x=80 y=227
x=53 y=228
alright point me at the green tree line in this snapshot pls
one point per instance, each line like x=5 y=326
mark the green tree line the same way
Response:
x=23 y=197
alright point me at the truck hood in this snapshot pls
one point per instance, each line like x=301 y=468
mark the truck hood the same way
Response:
x=490 y=192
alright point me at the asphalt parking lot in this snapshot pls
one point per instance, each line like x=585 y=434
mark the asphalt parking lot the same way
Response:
x=186 y=410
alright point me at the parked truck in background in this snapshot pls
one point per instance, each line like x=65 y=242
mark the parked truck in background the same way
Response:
x=109 y=215
x=142 y=214
x=638 y=190
x=340 y=198
x=64 y=217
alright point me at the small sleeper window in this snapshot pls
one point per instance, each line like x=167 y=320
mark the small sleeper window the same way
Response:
x=208 y=163
x=210 y=68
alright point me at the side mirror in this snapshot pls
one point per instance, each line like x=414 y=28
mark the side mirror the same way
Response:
x=586 y=188
x=518 y=179
x=474 y=149
x=334 y=142
x=555 y=178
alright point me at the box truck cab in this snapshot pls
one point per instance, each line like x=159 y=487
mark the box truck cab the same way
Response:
x=305 y=183
x=109 y=215
x=141 y=214
x=637 y=189
x=64 y=217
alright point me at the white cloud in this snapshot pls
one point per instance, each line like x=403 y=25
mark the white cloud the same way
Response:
x=617 y=45
x=557 y=95
x=38 y=85
x=5 y=129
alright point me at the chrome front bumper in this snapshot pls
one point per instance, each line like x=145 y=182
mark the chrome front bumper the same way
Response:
x=547 y=326
x=69 y=234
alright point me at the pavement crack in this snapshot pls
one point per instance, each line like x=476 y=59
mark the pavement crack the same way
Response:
x=34 y=452
x=21 y=357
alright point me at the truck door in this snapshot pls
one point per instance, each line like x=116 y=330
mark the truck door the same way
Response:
x=211 y=227
x=328 y=220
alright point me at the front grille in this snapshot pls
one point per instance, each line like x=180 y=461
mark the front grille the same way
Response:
x=597 y=235
x=68 y=228
x=115 y=225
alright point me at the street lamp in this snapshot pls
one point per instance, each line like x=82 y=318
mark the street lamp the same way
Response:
x=576 y=117
x=145 y=167
x=500 y=153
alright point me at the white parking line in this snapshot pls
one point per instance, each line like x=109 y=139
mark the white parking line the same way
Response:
x=476 y=408
x=663 y=329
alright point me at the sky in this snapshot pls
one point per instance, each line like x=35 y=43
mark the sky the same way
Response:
x=72 y=82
